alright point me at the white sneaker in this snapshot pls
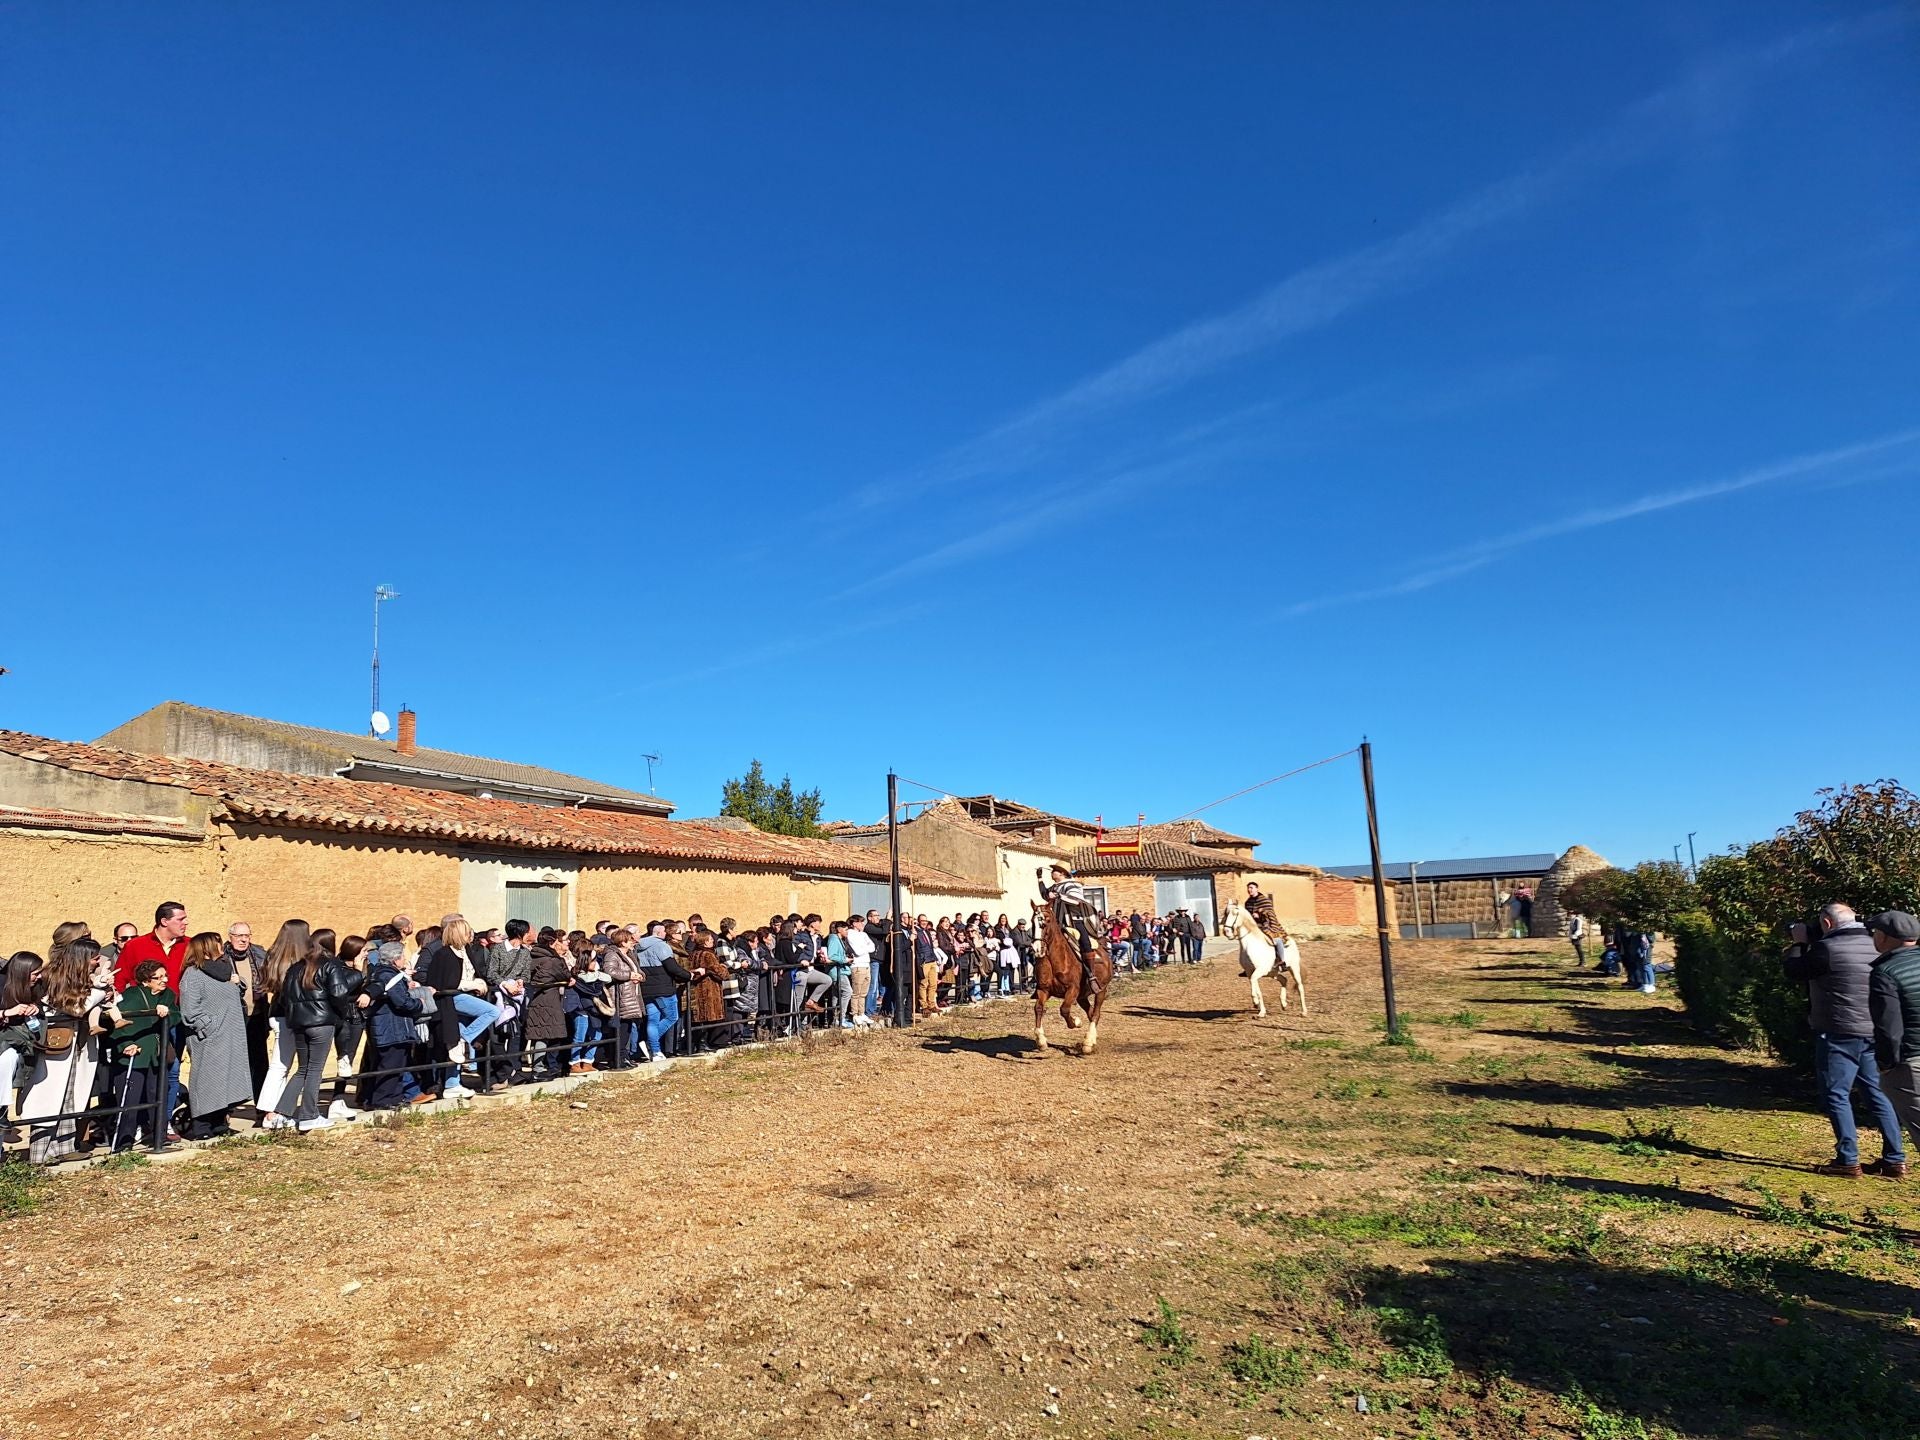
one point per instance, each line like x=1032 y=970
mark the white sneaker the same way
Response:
x=319 y=1123
x=458 y=1054
x=455 y=1091
x=344 y=1069
x=274 y=1120
x=1646 y=990
x=338 y=1111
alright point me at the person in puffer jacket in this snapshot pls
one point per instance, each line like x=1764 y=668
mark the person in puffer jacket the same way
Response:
x=393 y=1018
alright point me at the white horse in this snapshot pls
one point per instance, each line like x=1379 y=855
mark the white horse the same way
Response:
x=1258 y=958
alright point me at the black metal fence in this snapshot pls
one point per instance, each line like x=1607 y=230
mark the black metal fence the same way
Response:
x=772 y=1004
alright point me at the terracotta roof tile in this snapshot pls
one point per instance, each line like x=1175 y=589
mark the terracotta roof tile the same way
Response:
x=370 y=807
x=1155 y=857
x=1196 y=832
x=17 y=817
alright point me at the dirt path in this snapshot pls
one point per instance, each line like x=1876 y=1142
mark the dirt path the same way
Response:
x=939 y=1233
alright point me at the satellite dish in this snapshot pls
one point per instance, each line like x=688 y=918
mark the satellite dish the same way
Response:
x=381 y=724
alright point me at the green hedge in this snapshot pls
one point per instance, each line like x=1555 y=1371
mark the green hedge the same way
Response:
x=1734 y=988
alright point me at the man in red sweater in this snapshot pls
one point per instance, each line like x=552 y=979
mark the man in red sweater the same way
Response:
x=167 y=944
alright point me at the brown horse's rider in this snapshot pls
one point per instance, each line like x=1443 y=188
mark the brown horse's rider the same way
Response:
x=1070 y=909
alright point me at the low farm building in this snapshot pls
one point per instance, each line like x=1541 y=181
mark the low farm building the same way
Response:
x=96 y=833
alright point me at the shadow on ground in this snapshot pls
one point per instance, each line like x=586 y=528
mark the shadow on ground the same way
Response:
x=1708 y=1359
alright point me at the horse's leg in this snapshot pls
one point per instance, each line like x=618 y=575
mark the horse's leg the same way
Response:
x=1280 y=974
x=1093 y=1020
x=1040 y=1016
x=1301 y=986
x=1259 y=1000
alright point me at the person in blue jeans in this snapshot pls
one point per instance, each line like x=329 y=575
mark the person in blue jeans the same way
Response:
x=661 y=976
x=1836 y=967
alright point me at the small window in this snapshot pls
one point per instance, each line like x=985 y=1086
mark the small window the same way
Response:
x=1097 y=896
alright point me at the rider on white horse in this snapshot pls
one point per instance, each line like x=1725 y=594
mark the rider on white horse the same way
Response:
x=1260 y=907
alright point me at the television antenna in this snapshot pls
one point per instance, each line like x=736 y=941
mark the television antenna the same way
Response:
x=652 y=760
x=377 y=722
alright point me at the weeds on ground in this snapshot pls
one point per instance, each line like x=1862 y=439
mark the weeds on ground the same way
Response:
x=22 y=1187
x=1165 y=1332
x=1263 y=1367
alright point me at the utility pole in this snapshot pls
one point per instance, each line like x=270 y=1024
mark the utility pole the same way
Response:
x=380 y=593
x=902 y=965
x=1380 y=892
x=1413 y=883
x=1693 y=865
x=1676 y=856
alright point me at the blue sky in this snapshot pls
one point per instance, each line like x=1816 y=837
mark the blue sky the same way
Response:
x=1106 y=406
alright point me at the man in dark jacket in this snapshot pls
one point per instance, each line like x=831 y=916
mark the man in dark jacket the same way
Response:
x=1893 y=996
x=249 y=963
x=1836 y=968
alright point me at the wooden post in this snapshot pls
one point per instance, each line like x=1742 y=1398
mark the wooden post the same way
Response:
x=1380 y=892
x=900 y=965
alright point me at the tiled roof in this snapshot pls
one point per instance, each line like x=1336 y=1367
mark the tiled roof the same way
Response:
x=951 y=812
x=371 y=750
x=278 y=800
x=15 y=817
x=1009 y=814
x=945 y=882
x=1196 y=832
x=1156 y=857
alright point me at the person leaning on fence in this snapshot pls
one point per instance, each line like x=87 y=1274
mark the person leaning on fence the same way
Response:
x=393 y=1019
x=72 y=1016
x=1836 y=967
x=314 y=993
x=1893 y=997
x=19 y=1029
x=547 y=984
x=661 y=976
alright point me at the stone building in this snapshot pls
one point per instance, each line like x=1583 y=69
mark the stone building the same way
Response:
x=94 y=833
x=1549 y=916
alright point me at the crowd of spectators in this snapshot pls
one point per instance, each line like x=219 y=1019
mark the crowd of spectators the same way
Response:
x=173 y=1034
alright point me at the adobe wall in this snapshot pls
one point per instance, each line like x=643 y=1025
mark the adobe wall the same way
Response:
x=51 y=876
x=347 y=882
x=618 y=888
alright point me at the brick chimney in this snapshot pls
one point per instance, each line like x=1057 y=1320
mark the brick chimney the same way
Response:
x=405 y=743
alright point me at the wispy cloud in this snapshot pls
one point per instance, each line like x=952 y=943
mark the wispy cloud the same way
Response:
x=1320 y=294
x=1895 y=454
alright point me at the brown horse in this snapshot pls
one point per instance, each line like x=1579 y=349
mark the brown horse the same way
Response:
x=1061 y=975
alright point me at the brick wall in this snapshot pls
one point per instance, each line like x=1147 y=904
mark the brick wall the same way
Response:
x=1335 y=901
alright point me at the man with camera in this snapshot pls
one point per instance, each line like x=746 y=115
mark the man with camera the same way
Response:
x=1893 y=994
x=1836 y=967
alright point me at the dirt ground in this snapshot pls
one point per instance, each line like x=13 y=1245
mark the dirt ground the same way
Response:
x=942 y=1232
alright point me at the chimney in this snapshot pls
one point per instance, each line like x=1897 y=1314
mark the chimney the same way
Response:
x=404 y=743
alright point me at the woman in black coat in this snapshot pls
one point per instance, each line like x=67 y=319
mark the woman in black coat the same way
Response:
x=313 y=995
x=547 y=995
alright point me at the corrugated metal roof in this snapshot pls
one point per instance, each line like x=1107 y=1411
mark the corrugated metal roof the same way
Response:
x=1486 y=867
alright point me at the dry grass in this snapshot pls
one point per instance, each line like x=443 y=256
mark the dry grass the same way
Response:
x=1551 y=1213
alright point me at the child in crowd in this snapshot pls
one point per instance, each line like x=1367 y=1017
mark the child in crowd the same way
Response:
x=591 y=991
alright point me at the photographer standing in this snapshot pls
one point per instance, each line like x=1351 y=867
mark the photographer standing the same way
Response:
x=1836 y=968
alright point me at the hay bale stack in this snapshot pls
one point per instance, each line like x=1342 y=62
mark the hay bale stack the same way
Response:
x=1549 y=918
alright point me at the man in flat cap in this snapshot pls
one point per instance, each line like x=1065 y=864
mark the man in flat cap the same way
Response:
x=1893 y=993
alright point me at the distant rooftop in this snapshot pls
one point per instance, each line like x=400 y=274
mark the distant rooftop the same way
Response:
x=197 y=733
x=1486 y=867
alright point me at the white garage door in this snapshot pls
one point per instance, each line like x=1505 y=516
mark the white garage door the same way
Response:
x=1195 y=892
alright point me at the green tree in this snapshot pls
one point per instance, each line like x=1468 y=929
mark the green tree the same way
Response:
x=777 y=809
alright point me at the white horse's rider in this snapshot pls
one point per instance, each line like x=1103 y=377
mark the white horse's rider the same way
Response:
x=1260 y=907
x=1074 y=914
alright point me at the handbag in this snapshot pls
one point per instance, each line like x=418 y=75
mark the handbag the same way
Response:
x=59 y=1033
